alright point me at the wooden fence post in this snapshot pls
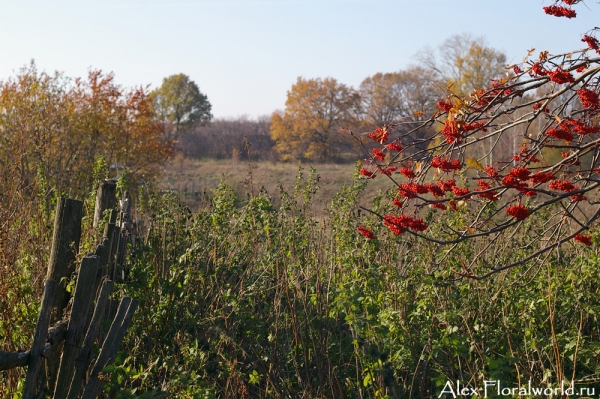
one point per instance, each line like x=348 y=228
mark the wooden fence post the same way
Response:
x=82 y=305
x=65 y=245
x=105 y=199
x=36 y=360
x=113 y=340
x=82 y=361
x=110 y=226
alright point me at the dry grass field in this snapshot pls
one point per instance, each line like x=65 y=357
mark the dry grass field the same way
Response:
x=195 y=180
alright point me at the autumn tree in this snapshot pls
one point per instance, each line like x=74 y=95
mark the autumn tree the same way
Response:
x=394 y=96
x=55 y=127
x=180 y=104
x=464 y=63
x=122 y=124
x=550 y=102
x=315 y=111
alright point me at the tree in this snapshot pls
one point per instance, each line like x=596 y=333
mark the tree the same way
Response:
x=464 y=64
x=55 y=127
x=550 y=103
x=397 y=96
x=180 y=103
x=316 y=110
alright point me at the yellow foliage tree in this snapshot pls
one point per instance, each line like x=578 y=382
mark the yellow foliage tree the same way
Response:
x=309 y=128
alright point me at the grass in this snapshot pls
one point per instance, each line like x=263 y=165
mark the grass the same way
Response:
x=195 y=180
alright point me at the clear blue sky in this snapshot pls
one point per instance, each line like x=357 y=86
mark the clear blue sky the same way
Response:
x=245 y=54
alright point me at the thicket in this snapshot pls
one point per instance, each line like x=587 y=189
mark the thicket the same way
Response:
x=238 y=138
x=243 y=299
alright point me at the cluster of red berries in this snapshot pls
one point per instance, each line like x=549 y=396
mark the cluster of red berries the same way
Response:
x=542 y=177
x=388 y=171
x=566 y=128
x=366 y=232
x=380 y=134
x=559 y=11
x=516 y=178
x=444 y=106
x=538 y=69
x=377 y=153
x=562 y=185
x=408 y=172
x=561 y=76
x=368 y=174
x=589 y=98
x=592 y=43
x=587 y=240
x=557 y=75
x=445 y=165
x=400 y=223
x=435 y=189
x=485 y=97
x=395 y=146
x=519 y=211
x=485 y=191
x=451 y=132
x=410 y=190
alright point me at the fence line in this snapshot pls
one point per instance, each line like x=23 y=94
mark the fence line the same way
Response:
x=59 y=359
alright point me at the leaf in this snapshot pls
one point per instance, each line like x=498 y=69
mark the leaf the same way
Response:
x=418 y=167
x=367 y=380
x=474 y=163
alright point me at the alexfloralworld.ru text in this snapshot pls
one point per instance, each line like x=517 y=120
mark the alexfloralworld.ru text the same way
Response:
x=455 y=389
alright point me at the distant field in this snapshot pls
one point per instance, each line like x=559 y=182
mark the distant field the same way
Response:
x=195 y=180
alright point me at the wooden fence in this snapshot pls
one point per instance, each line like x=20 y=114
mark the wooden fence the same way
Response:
x=59 y=363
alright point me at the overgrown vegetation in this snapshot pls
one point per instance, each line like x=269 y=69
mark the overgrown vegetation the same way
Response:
x=246 y=300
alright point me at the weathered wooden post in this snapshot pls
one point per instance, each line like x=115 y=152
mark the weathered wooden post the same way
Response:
x=105 y=199
x=36 y=361
x=110 y=226
x=65 y=245
x=82 y=305
x=113 y=340
x=81 y=365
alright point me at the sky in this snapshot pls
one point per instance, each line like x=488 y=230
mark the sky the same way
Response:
x=246 y=54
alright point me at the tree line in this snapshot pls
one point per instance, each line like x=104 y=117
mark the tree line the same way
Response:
x=236 y=138
x=319 y=112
